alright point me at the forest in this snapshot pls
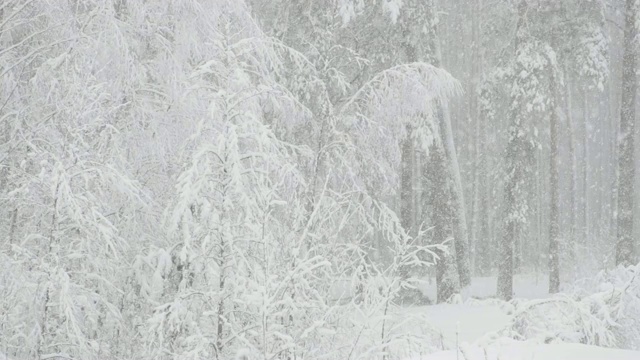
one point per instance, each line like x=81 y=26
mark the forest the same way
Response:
x=319 y=179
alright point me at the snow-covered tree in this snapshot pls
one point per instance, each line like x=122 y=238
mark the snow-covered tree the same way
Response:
x=545 y=38
x=204 y=179
x=66 y=180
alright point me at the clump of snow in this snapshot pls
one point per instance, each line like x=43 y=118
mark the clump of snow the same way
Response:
x=243 y=354
x=393 y=8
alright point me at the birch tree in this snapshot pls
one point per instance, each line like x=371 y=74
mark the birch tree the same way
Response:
x=67 y=174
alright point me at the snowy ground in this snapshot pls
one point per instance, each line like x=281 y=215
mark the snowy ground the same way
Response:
x=468 y=323
x=471 y=327
x=481 y=327
x=529 y=351
x=524 y=287
x=527 y=286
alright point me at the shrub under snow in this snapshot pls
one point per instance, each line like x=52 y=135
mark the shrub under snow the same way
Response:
x=603 y=311
x=616 y=294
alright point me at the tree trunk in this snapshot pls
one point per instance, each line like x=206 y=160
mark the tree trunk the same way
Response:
x=573 y=191
x=515 y=203
x=406 y=190
x=406 y=183
x=585 y=172
x=458 y=215
x=539 y=213
x=505 y=274
x=626 y=165
x=459 y=219
x=554 y=211
x=476 y=67
x=447 y=278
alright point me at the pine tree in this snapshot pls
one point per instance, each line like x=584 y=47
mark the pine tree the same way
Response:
x=518 y=158
x=535 y=81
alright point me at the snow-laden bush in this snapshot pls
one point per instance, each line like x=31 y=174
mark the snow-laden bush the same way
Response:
x=616 y=294
x=603 y=311
x=372 y=322
x=564 y=319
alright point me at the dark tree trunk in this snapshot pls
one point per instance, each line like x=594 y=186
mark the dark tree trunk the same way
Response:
x=406 y=191
x=458 y=216
x=554 y=213
x=447 y=278
x=515 y=202
x=626 y=166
